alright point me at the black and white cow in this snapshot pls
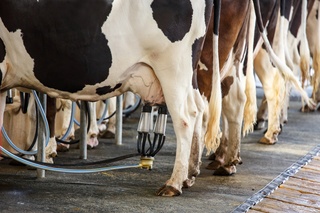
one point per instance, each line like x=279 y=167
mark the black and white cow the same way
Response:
x=96 y=49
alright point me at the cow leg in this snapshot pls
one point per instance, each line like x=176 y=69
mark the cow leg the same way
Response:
x=184 y=112
x=51 y=149
x=129 y=99
x=197 y=147
x=92 y=137
x=286 y=103
x=262 y=115
x=274 y=89
x=62 y=122
x=218 y=158
x=110 y=124
x=3 y=96
x=232 y=108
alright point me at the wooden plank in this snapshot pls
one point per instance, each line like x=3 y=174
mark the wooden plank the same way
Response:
x=316 y=158
x=270 y=206
x=313 y=167
x=296 y=197
x=308 y=175
x=315 y=161
x=253 y=211
x=276 y=206
x=303 y=186
x=300 y=193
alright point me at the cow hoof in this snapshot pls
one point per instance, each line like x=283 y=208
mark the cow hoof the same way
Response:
x=225 y=171
x=306 y=108
x=259 y=125
x=189 y=182
x=53 y=155
x=212 y=156
x=168 y=191
x=92 y=142
x=89 y=146
x=214 y=165
x=15 y=163
x=62 y=148
x=107 y=135
x=49 y=160
x=267 y=141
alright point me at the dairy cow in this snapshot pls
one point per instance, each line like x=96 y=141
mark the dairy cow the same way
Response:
x=238 y=89
x=237 y=82
x=289 y=15
x=107 y=48
x=313 y=36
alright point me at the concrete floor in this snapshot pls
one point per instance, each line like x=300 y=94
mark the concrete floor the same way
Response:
x=133 y=190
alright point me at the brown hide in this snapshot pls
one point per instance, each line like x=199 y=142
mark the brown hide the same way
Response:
x=233 y=14
x=268 y=14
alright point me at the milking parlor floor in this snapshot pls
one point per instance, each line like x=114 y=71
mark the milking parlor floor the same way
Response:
x=133 y=190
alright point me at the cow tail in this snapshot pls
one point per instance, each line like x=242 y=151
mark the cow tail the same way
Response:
x=316 y=59
x=250 y=108
x=212 y=137
x=283 y=68
x=304 y=46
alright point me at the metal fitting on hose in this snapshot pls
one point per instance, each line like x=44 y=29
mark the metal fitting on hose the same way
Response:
x=148 y=147
x=146 y=162
x=9 y=98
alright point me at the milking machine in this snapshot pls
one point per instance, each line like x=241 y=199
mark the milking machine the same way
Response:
x=147 y=148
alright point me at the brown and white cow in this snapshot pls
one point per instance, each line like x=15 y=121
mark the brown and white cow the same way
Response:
x=237 y=81
x=107 y=48
x=234 y=110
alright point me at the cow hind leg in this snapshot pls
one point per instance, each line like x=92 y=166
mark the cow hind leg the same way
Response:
x=233 y=107
x=218 y=156
x=184 y=113
x=197 y=144
x=274 y=89
x=262 y=115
